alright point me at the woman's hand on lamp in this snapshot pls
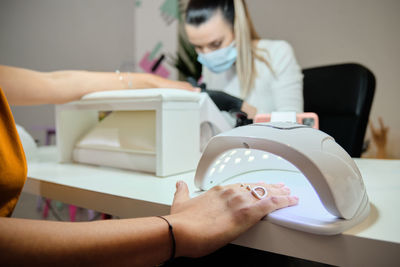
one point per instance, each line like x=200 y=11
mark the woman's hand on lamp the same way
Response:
x=217 y=217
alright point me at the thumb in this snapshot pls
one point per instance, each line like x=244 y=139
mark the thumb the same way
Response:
x=181 y=193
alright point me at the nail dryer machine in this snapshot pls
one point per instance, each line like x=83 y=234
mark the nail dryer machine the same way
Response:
x=332 y=195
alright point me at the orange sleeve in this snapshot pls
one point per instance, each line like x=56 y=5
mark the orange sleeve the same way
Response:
x=13 y=168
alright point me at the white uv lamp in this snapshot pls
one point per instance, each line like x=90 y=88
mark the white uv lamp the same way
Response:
x=332 y=195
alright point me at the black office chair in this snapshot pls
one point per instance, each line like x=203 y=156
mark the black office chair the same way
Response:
x=342 y=96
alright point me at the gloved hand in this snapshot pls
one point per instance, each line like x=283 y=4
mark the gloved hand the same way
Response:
x=224 y=101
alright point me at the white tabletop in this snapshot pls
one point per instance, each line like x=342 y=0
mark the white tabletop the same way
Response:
x=374 y=242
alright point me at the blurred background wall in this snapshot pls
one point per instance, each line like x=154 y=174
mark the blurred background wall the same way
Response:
x=101 y=35
x=335 y=31
x=95 y=35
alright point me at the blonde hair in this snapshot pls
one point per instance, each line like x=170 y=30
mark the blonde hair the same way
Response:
x=245 y=34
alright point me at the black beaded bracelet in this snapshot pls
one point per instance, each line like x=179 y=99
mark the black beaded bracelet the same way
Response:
x=171 y=231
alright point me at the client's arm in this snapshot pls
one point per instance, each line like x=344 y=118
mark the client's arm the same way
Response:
x=28 y=87
x=201 y=225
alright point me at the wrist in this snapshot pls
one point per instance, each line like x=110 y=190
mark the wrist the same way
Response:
x=177 y=231
x=186 y=244
x=250 y=110
x=172 y=238
x=125 y=78
x=143 y=80
x=153 y=81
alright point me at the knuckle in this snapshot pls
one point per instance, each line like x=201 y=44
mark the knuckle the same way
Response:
x=244 y=212
x=237 y=200
x=275 y=200
x=217 y=188
x=228 y=192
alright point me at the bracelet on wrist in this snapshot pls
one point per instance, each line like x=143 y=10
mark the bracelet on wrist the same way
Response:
x=127 y=81
x=171 y=232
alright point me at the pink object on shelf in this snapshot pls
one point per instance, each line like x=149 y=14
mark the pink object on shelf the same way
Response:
x=72 y=213
x=46 y=208
x=307 y=118
x=146 y=64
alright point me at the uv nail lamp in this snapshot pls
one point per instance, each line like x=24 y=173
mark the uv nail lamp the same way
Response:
x=151 y=130
x=332 y=195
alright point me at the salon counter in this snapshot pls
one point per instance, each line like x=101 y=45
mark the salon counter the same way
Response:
x=375 y=242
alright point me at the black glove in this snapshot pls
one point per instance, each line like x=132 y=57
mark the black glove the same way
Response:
x=241 y=118
x=194 y=83
x=225 y=101
x=231 y=104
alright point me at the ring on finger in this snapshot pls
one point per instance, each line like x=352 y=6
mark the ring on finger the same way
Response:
x=257 y=195
x=254 y=191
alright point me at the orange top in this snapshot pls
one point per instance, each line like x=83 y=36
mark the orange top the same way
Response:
x=13 y=167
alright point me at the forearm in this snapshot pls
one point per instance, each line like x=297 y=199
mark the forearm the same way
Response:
x=199 y=228
x=133 y=242
x=72 y=85
x=27 y=87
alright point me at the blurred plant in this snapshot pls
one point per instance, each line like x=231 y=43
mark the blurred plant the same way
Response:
x=379 y=137
x=185 y=60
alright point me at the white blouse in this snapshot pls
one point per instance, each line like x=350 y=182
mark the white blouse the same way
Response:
x=280 y=90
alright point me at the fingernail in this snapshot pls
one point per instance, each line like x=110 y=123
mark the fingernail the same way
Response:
x=296 y=197
x=178 y=184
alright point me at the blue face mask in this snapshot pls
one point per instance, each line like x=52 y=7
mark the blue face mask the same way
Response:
x=219 y=60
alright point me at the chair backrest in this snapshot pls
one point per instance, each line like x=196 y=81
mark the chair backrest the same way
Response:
x=342 y=96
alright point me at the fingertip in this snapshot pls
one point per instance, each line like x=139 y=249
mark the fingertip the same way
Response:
x=279 y=185
x=180 y=184
x=182 y=191
x=286 y=190
x=293 y=200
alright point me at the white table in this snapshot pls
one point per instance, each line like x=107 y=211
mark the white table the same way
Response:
x=375 y=242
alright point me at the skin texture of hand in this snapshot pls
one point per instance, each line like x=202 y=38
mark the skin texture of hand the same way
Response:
x=215 y=218
x=379 y=136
